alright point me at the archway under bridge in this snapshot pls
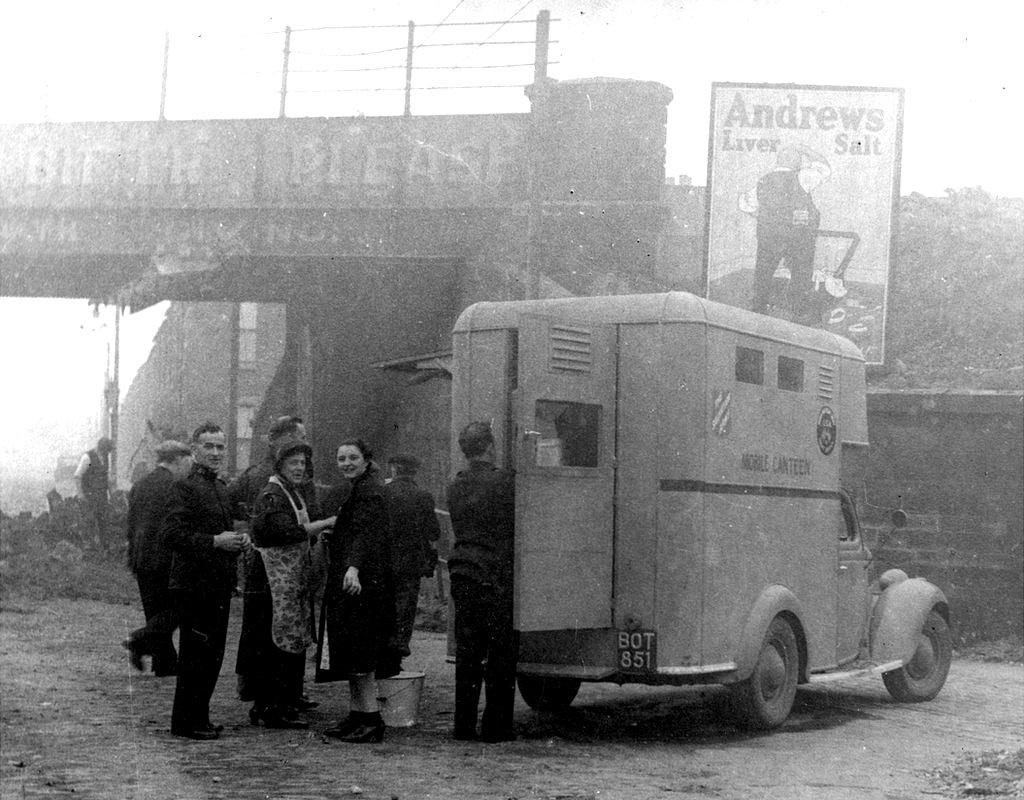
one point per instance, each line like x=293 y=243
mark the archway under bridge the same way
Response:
x=374 y=231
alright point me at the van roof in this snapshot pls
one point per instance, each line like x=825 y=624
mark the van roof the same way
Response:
x=659 y=308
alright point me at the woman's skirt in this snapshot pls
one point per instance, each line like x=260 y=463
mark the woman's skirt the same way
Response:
x=355 y=632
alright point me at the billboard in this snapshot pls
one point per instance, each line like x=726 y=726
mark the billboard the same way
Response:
x=803 y=189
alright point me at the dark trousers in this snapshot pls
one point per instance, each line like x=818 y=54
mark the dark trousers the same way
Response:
x=154 y=638
x=483 y=631
x=798 y=251
x=407 y=595
x=204 y=628
x=96 y=519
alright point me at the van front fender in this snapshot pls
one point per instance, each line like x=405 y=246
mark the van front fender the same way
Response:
x=773 y=601
x=898 y=618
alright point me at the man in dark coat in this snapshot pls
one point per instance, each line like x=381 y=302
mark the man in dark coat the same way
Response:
x=481 y=501
x=199 y=531
x=414 y=531
x=149 y=558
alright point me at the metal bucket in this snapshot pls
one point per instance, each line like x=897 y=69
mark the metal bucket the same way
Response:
x=399 y=698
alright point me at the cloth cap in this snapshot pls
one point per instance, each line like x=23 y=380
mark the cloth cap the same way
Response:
x=171 y=450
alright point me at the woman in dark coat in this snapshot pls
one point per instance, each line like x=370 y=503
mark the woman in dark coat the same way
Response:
x=281 y=532
x=359 y=601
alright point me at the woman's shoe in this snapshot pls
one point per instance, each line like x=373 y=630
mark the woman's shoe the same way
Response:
x=343 y=727
x=370 y=729
x=278 y=717
x=305 y=704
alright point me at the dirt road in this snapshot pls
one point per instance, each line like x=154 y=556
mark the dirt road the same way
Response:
x=76 y=719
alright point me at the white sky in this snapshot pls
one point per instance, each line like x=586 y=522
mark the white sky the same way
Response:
x=958 y=62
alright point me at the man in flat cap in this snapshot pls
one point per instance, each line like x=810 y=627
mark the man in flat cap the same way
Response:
x=150 y=559
x=414 y=533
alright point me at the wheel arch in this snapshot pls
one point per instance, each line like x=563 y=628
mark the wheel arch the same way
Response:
x=773 y=602
x=899 y=616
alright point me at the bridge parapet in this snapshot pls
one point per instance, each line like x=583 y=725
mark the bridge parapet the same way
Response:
x=87 y=208
x=338 y=162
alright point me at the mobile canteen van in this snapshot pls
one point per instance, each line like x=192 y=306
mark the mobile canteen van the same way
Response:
x=680 y=513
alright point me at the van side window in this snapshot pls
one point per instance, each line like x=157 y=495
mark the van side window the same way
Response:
x=791 y=374
x=749 y=365
x=569 y=434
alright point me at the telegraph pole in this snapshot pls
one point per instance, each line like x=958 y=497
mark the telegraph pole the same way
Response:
x=284 y=70
x=409 y=49
x=112 y=394
x=163 y=80
x=538 y=108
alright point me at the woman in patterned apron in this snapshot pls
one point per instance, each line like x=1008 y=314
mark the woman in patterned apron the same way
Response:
x=281 y=532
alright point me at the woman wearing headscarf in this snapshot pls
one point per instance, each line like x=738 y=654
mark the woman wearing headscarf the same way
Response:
x=359 y=601
x=281 y=531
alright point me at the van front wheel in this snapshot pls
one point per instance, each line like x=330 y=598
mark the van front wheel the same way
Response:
x=924 y=675
x=764 y=699
x=546 y=693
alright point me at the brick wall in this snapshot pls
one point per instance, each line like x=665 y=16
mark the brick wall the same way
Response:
x=954 y=462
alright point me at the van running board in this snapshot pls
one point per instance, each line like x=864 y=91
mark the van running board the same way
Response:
x=862 y=671
x=564 y=671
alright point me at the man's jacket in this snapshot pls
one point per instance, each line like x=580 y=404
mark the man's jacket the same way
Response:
x=413 y=526
x=199 y=511
x=149 y=503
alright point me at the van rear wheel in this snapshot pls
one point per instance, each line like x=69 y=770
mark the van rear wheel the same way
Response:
x=924 y=675
x=547 y=693
x=764 y=700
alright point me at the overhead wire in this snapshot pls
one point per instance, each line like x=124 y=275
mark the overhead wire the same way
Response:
x=508 y=21
x=200 y=39
x=441 y=23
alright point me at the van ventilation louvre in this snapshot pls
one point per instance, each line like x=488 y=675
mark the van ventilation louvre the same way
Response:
x=826 y=382
x=571 y=349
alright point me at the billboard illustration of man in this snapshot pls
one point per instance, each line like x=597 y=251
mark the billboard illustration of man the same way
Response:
x=787 y=228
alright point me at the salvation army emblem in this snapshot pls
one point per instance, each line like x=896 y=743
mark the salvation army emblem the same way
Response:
x=826 y=430
x=720 y=415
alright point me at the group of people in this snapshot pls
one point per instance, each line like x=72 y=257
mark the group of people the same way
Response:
x=355 y=553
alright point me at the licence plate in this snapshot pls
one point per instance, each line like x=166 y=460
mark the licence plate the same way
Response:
x=638 y=651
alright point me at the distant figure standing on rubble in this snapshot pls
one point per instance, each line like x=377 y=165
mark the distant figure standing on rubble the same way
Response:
x=93 y=479
x=414 y=533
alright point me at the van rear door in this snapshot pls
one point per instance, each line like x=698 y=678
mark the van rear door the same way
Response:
x=564 y=410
